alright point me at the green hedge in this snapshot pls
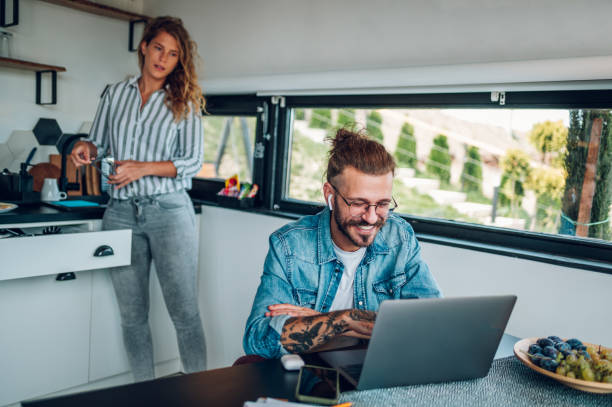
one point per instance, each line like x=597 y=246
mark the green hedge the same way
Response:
x=321 y=119
x=374 y=123
x=439 y=160
x=471 y=175
x=405 y=152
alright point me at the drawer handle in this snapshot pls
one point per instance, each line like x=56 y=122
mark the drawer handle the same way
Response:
x=104 y=250
x=65 y=276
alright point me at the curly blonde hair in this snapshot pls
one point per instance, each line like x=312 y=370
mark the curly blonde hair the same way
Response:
x=183 y=92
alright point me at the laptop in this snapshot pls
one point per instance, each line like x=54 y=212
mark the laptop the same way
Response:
x=419 y=341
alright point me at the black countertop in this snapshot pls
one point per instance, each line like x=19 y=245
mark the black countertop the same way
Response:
x=40 y=212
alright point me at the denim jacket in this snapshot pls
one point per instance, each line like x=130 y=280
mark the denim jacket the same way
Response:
x=301 y=268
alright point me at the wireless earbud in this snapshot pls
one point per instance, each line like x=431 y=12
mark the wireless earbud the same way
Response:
x=329 y=198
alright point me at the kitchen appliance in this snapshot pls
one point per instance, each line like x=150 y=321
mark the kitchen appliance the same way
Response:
x=19 y=187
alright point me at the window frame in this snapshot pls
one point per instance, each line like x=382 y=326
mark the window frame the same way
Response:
x=204 y=190
x=571 y=251
x=270 y=169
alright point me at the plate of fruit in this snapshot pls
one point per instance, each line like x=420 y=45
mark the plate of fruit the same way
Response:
x=580 y=365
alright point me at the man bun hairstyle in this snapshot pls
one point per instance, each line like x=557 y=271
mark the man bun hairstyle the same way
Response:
x=357 y=150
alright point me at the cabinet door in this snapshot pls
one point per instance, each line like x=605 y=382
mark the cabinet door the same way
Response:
x=108 y=357
x=44 y=337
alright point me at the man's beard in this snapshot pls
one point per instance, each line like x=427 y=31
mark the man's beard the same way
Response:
x=343 y=226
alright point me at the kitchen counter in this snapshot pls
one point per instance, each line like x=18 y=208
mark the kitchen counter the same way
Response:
x=40 y=212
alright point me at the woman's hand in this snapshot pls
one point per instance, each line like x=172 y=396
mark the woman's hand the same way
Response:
x=83 y=153
x=127 y=171
x=289 y=309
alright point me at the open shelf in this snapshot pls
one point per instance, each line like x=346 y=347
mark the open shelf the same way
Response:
x=30 y=66
x=40 y=69
x=99 y=9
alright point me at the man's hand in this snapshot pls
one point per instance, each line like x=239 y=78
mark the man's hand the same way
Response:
x=289 y=309
x=128 y=171
x=304 y=333
x=360 y=323
x=83 y=153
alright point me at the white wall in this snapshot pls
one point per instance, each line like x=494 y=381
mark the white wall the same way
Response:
x=93 y=49
x=552 y=300
x=261 y=40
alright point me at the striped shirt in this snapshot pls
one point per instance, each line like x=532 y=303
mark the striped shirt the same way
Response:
x=125 y=132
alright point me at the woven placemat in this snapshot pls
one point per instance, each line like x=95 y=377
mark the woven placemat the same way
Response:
x=509 y=383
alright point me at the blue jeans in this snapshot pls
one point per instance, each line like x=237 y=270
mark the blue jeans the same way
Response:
x=163 y=230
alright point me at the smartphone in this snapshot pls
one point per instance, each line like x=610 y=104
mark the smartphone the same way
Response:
x=317 y=384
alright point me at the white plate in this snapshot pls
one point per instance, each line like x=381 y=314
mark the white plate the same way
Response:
x=5 y=207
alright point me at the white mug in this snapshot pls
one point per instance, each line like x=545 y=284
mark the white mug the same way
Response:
x=50 y=191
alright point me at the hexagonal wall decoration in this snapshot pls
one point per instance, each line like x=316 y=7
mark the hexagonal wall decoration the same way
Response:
x=20 y=143
x=47 y=132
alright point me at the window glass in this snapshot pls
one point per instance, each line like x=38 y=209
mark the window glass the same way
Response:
x=228 y=147
x=528 y=169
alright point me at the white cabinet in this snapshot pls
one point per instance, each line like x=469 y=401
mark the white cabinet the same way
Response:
x=45 y=324
x=65 y=336
x=44 y=335
x=65 y=252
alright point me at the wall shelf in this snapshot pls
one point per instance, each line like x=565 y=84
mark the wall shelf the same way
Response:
x=107 y=11
x=30 y=66
x=99 y=9
x=40 y=69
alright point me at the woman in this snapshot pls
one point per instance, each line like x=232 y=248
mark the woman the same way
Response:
x=151 y=125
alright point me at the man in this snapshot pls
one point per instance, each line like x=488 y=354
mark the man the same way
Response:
x=325 y=275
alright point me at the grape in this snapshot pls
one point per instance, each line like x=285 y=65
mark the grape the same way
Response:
x=544 y=342
x=533 y=349
x=573 y=343
x=536 y=358
x=549 y=364
x=563 y=346
x=572 y=359
x=550 y=351
x=587 y=374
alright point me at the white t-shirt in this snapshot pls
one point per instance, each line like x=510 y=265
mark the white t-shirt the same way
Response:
x=344 y=295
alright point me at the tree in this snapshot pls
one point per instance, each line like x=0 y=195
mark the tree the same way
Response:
x=548 y=184
x=550 y=138
x=471 y=176
x=373 y=124
x=320 y=119
x=578 y=144
x=405 y=152
x=516 y=168
x=439 y=160
x=346 y=117
x=299 y=114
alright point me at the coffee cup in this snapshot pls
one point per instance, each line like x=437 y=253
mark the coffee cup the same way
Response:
x=50 y=191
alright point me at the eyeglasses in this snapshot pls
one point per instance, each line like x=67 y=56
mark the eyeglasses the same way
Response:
x=358 y=208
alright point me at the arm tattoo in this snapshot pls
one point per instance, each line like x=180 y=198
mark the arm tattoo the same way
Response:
x=301 y=334
x=361 y=315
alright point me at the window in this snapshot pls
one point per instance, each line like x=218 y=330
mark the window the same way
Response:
x=538 y=170
x=530 y=177
x=228 y=147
